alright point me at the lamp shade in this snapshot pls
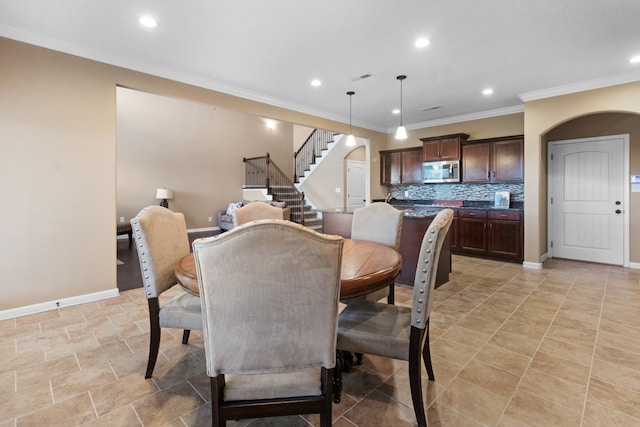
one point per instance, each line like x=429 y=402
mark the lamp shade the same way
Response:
x=401 y=133
x=164 y=193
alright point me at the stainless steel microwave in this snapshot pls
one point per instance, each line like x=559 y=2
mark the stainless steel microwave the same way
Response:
x=446 y=171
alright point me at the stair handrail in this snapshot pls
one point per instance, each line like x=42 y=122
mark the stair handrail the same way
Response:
x=312 y=148
x=262 y=172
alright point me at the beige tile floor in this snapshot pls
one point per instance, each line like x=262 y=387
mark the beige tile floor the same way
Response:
x=511 y=347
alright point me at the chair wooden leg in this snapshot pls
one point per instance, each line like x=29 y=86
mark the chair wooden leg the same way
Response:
x=337 y=378
x=185 y=336
x=391 y=299
x=217 y=387
x=415 y=376
x=426 y=355
x=154 y=338
x=328 y=376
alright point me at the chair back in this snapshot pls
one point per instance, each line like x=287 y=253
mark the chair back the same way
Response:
x=254 y=211
x=274 y=285
x=427 y=269
x=161 y=241
x=379 y=223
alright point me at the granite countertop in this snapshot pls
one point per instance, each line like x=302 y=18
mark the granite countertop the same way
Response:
x=430 y=205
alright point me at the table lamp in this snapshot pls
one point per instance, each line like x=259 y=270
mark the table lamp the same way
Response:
x=164 y=194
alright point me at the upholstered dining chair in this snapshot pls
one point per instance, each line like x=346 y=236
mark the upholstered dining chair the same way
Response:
x=401 y=332
x=161 y=240
x=275 y=286
x=379 y=223
x=254 y=211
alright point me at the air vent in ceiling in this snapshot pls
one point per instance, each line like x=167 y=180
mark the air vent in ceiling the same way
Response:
x=362 y=77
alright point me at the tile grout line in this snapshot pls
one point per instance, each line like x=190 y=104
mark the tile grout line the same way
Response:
x=593 y=351
x=538 y=349
x=491 y=336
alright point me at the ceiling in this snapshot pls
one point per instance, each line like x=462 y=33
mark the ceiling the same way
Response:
x=270 y=51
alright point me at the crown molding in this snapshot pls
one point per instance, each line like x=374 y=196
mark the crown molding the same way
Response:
x=464 y=118
x=581 y=86
x=119 y=61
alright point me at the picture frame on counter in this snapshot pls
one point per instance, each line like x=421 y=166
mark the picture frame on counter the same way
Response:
x=502 y=199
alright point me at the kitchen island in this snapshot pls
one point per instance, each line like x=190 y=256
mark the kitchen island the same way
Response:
x=414 y=225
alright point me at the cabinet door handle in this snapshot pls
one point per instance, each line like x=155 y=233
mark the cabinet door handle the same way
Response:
x=494 y=174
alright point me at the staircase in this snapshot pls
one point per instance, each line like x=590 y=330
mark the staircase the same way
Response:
x=261 y=172
x=290 y=195
x=311 y=152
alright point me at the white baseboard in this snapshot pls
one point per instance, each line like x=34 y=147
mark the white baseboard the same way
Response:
x=51 y=305
x=634 y=265
x=532 y=265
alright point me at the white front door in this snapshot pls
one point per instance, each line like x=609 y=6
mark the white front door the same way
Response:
x=587 y=199
x=356 y=187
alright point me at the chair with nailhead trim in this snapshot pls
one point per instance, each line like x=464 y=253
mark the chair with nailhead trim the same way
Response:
x=161 y=241
x=400 y=332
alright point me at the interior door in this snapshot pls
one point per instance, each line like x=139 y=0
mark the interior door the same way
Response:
x=586 y=199
x=356 y=196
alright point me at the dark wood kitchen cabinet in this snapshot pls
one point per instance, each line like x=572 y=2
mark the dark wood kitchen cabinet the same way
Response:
x=491 y=233
x=446 y=147
x=473 y=231
x=401 y=166
x=494 y=160
x=505 y=232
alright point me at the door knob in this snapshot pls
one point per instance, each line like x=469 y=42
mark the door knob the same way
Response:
x=618 y=211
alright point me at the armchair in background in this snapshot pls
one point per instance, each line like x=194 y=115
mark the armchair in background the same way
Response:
x=225 y=216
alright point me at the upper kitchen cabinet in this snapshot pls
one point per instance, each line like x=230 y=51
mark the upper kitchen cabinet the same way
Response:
x=401 y=166
x=493 y=160
x=446 y=147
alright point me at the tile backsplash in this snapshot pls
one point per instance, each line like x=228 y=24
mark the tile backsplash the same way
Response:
x=461 y=191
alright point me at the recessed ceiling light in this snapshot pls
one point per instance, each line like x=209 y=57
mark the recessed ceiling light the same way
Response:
x=316 y=82
x=635 y=59
x=396 y=111
x=147 y=21
x=422 y=42
x=487 y=91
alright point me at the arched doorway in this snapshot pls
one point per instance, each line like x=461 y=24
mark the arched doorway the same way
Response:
x=594 y=127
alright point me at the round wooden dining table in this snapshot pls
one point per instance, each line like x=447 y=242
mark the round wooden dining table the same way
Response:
x=366 y=267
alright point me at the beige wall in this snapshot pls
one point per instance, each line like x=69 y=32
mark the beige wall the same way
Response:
x=195 y=149
x=540 y=118
x=58 y=168
x=330 y=174
x=58 y=165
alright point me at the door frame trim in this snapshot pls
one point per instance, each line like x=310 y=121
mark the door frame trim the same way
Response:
x=625 y=197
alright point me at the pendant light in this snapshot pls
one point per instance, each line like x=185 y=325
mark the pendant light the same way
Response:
x=401 y=133
x=351 y=141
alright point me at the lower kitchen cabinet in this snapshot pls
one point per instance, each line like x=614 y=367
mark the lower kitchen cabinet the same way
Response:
x=473 y=231
x=505 y=235
x=490 y=233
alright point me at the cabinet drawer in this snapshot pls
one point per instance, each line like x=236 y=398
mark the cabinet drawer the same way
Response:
x=506 y=215
x=466 y=213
